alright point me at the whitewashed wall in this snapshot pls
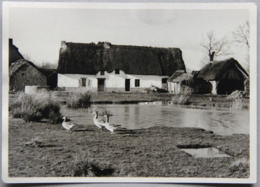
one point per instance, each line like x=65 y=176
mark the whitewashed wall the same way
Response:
x=174 y=88
x=214 y=87
x=74 y=80
x=118 y=80
x=67 y=80
x=112 y=80
x=146 y=80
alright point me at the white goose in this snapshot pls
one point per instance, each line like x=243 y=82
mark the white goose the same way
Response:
x=67 y=125
x=108 y=126
x=98 y=122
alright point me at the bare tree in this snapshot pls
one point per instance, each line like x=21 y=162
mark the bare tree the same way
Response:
x=214 y=46
x=242 y=34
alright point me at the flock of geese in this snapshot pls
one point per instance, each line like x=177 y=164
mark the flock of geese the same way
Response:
x=100 y=123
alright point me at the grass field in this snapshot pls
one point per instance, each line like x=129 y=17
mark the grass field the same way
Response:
x=46 y=150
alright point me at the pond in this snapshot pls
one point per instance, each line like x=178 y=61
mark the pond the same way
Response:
x=137 y=116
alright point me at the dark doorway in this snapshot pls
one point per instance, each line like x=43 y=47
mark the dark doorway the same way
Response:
x=164 y=83
x=127 y=85
x=101 y=85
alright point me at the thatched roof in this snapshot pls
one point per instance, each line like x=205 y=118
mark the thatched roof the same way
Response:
x=182 y=77
x=175 y=75
x=15 y=66
x=221 y=69
x=90 y=58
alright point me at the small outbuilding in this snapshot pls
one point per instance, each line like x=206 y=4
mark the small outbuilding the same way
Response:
x=187 y=83
x=24 y=73
x=175 y=82
x=225 y=76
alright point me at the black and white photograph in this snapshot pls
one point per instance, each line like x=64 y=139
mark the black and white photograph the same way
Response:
x=129 y=92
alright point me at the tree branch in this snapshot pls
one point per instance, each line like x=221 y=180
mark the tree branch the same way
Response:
x=214 y=46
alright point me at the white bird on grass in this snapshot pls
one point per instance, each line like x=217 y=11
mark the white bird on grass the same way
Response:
x=67 y=125
x=108 y=126
x=98 y=122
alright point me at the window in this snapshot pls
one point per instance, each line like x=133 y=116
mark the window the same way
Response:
x=137 y=82
x=117 y=71
x=83 y=82
x=89 y=83
x=102 y=72
x=164 y=80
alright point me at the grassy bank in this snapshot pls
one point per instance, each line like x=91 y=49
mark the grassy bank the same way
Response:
x=110 y=98
x=39 y=149
x=198 y=101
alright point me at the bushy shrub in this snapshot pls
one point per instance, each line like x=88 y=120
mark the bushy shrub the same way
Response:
x=35 y=108
x=83 y=169
x=186 y=90
x=90 y=169
x=79 y=100
x=181 y=99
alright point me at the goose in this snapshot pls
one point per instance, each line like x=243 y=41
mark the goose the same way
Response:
x=98 y=122
x=108 y=126
x=67 y=125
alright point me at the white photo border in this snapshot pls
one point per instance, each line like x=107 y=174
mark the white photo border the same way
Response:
x=6 y=6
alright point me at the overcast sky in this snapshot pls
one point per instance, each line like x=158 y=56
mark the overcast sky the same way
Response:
x=38 y=32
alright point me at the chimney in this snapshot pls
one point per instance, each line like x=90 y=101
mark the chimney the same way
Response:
x=63 y=43
x=63 y=46
x=10 y=41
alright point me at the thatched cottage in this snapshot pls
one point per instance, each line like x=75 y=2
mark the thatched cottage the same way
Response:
x=187 y=83
x=24 y=73
x=107 y=67
x=14 y=53
x=225 y=76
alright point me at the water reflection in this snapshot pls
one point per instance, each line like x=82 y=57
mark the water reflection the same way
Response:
x=210 y=152
x=134 y=116
x=126 y=113
x=137 y=112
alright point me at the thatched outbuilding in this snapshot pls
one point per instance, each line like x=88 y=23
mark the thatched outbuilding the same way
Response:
x=187 y=83
x=107 y=67
x=175 y=84
x=24 y=73
x=225 y=76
